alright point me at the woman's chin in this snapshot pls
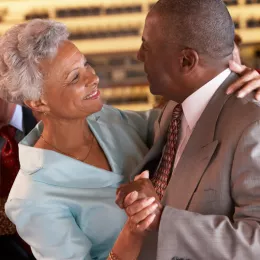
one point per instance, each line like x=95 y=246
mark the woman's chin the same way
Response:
x=93 y=106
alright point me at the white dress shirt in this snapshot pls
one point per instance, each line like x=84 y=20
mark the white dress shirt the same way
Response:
x=193 y=107
x=17 y=118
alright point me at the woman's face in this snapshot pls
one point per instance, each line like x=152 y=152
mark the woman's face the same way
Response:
x=70 y=84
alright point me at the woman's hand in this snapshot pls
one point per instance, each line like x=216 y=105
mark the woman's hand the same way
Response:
x=248 y=82
x=142 y=211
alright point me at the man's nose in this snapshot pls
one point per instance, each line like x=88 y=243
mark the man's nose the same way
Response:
x=140 y=55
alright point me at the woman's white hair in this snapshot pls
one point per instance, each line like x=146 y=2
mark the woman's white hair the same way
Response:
x=21 y=49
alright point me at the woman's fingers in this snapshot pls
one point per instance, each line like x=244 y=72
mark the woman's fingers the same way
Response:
x=138 y=206
x=250 y=87
x=257 y=95
x=144 y=225
x=236 y=67
x=143 y=175
x=143 y=214
x=248 y=82
x=130 y=198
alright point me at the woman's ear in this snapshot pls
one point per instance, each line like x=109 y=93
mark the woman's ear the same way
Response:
x=189 y=60
x=40 y=105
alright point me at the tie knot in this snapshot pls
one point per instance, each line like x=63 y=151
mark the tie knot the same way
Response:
x=177 y=112
x=8 y=132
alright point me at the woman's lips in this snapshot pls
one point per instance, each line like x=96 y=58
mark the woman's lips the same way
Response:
x=93 y=95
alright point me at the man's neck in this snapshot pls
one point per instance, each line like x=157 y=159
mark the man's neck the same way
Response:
x=206 y=76
x=199 y=80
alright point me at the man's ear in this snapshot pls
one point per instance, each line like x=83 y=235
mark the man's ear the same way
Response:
x=40 y=105
x=189 y=60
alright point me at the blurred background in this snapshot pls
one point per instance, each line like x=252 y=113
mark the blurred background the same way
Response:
x=109 y=33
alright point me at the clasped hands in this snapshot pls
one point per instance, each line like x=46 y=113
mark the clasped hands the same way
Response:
x=141 y=204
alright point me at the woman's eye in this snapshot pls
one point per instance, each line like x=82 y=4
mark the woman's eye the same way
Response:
x=75 y=78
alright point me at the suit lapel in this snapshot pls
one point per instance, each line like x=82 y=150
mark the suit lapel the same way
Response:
x=198 y=152
x=160 y=138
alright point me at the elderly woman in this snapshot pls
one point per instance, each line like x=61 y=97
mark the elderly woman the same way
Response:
x=62 y=201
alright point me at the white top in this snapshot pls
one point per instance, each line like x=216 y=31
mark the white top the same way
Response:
x=17 y=118
x=193 y=107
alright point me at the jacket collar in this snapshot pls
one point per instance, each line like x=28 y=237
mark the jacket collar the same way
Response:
x=58 y=169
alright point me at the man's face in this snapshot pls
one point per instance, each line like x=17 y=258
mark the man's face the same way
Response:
x=6 y=112
x=160 y=64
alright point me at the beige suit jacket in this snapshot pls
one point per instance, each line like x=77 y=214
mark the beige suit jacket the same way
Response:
x=212 y=202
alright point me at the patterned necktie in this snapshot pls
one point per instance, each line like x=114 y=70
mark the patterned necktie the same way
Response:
x=162 y=175
x=9 y=160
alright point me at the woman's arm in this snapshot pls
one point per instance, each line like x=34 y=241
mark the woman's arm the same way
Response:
x=49 y=229
x=143 y=212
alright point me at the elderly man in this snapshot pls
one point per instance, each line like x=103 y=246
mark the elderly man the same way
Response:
x=205 y=163
x=15 y=122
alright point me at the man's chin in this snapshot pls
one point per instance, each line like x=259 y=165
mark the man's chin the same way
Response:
x=154 y=91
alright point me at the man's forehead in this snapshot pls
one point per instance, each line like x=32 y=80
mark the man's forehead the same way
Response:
x=152 y=26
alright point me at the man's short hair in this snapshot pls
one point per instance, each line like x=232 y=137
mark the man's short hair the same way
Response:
x=203 y=25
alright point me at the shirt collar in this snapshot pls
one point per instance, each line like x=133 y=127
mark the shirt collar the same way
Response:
x=194 y=105
x=17 y=118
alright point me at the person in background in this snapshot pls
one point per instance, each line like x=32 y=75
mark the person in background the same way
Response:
x=15 y=122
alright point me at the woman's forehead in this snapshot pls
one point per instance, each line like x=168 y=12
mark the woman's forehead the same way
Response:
x=67 y=56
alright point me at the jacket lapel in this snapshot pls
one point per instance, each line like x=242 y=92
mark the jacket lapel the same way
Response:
x=198 y=152
x=161 y=127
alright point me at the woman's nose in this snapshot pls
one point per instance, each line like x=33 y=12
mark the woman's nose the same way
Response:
x=92 y=80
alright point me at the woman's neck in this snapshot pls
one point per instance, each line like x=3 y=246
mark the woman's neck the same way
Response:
x=66 y=134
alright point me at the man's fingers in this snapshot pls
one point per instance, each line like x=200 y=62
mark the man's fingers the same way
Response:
x=143 y=175
x=120 y=196
x=143 y=214
x=130 y=198
x=242 y=81
x=139 y=206
x=120 y=187
x=144 y=225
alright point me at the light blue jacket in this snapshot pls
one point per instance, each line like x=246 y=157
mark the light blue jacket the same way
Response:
x=64 y=208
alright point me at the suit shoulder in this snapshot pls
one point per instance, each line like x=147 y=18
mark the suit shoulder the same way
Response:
x=247 y=105
x=239 y=113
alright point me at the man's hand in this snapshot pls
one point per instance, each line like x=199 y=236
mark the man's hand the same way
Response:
x=144 y=214
x=141 y=184
x=141 y=204
x=247 y=83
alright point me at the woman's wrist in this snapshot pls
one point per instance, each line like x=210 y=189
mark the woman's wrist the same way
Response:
x=128 y=244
